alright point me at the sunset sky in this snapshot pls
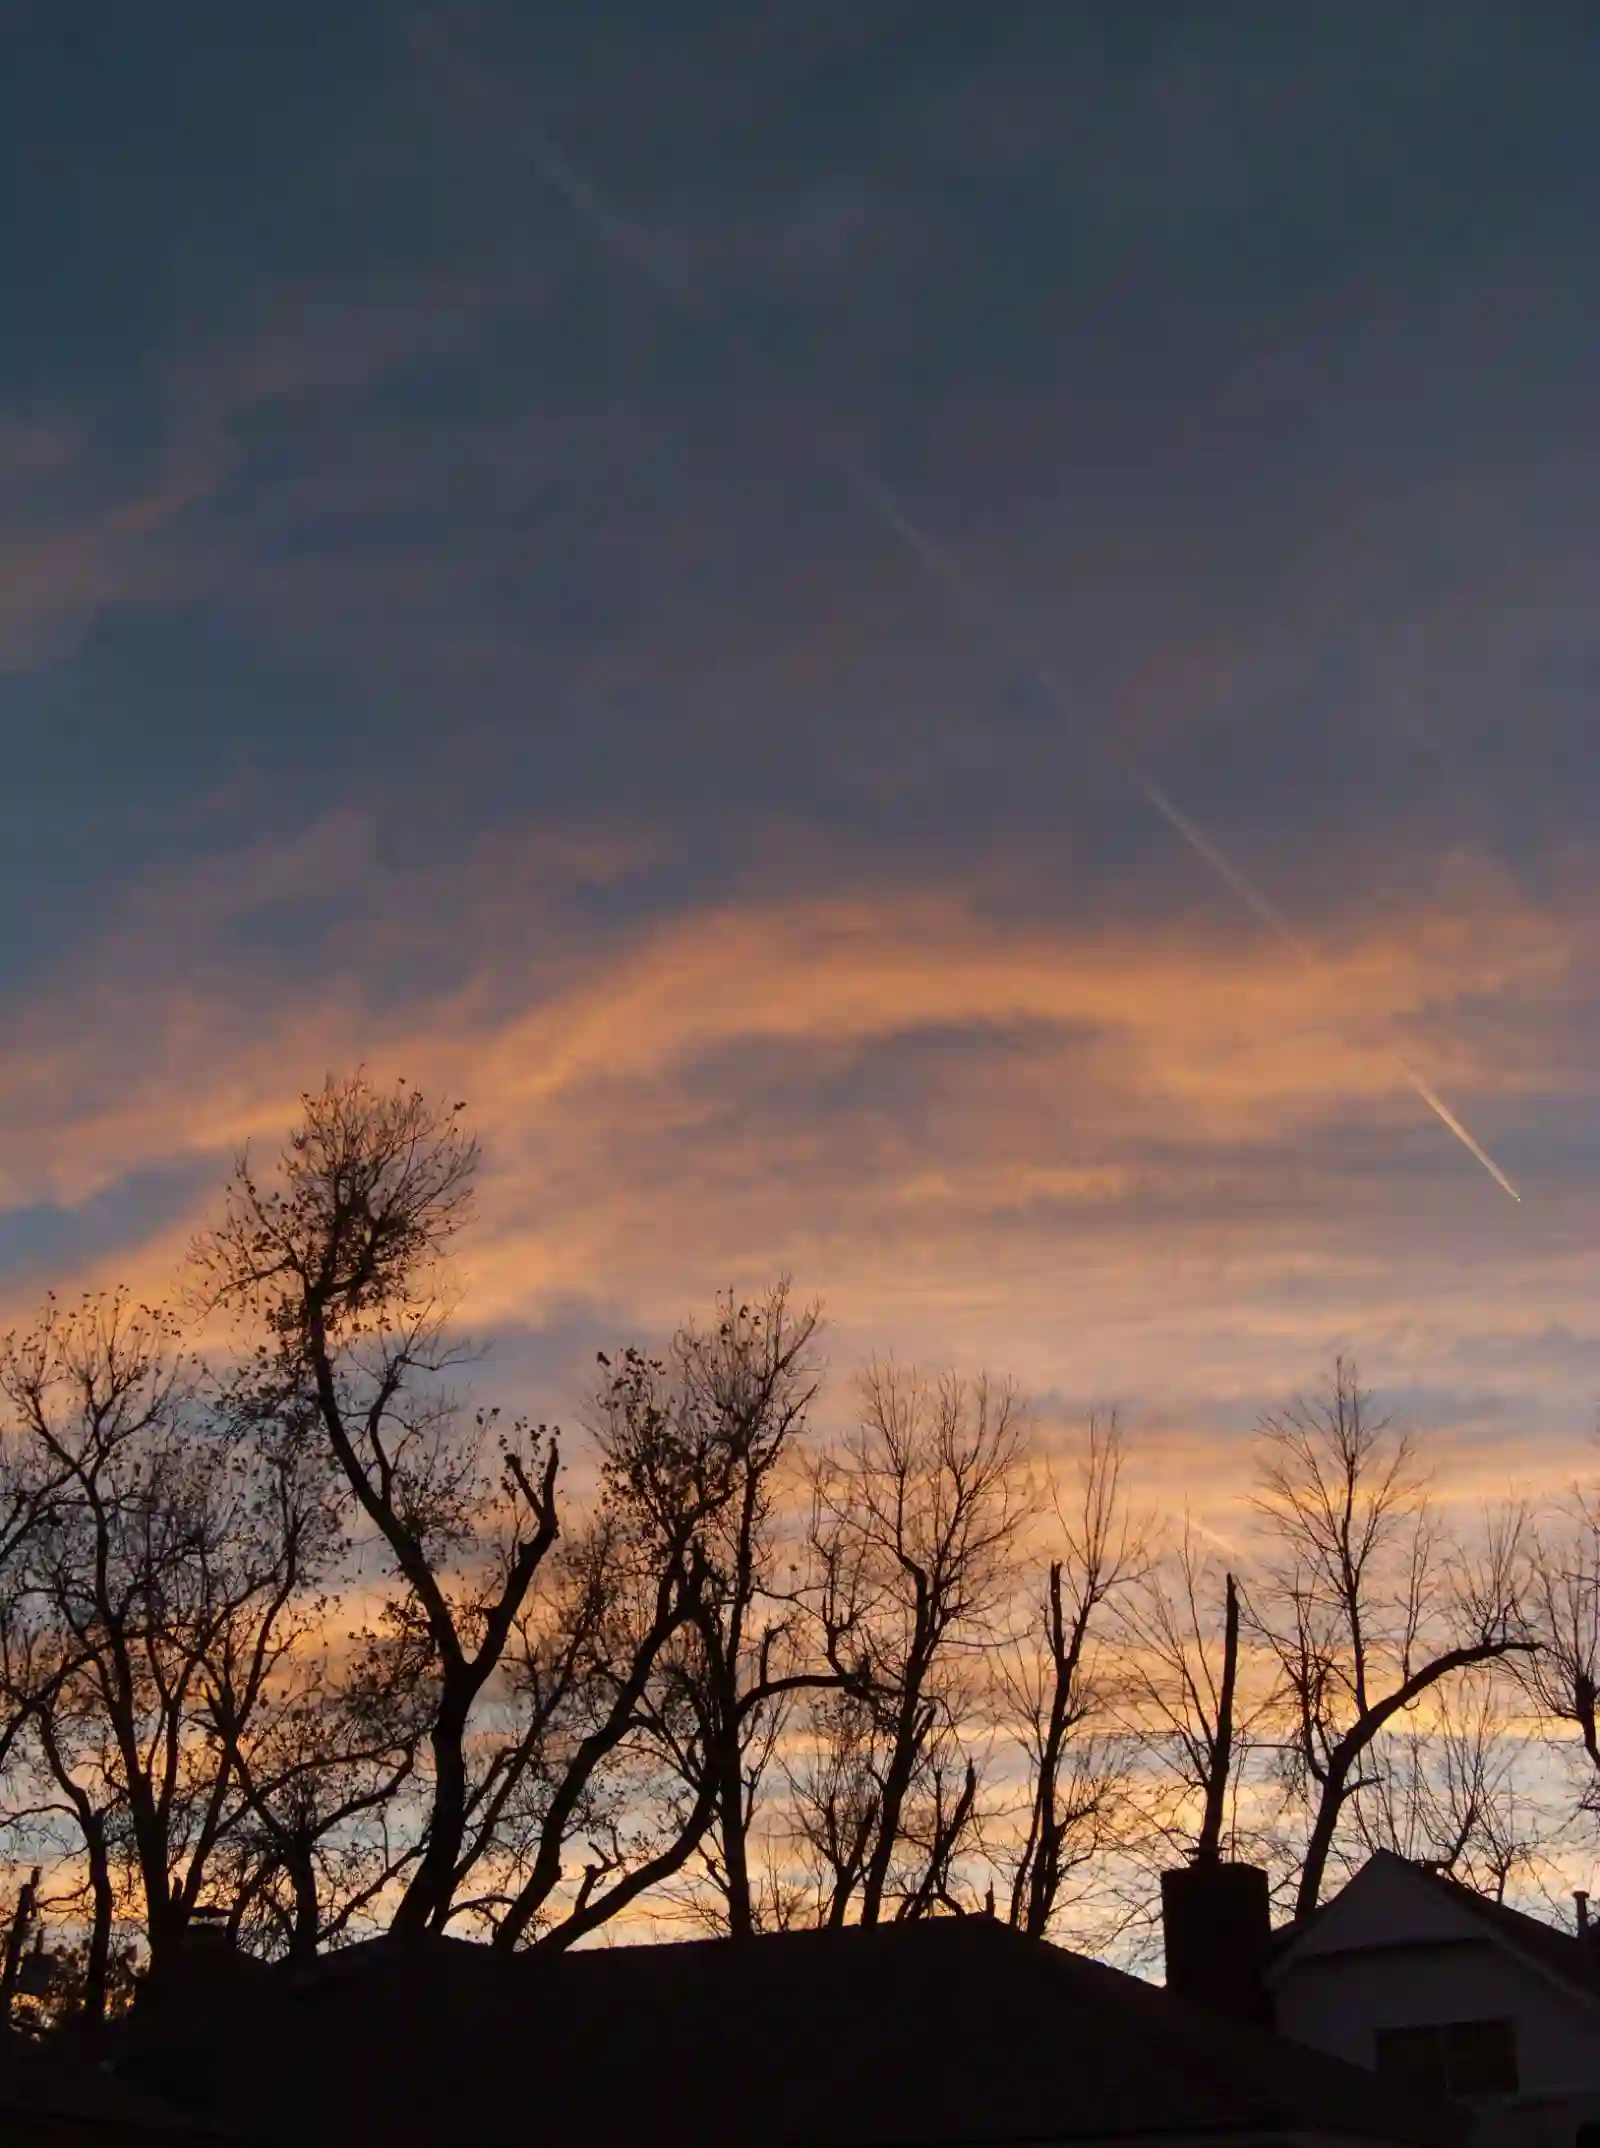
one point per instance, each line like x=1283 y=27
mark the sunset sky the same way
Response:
x=425 y=641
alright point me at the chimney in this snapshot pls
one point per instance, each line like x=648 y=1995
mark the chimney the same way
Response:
x=205 y=1968
x=1581 y=1899
x=1217 y=1922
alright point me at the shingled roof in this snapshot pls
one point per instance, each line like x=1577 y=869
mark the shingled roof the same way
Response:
x=952 y=2031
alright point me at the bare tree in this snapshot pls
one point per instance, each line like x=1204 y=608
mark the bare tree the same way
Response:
x=339 y=1258
x=542 y=1715
x=545 y=1664
x=833 y=1781
x=71 y=1799
x=23 y=1912
x=1563 y=1674
x=1456 y=1791
x=1358 y=1602
x=647 y=1682
x=584 y=1673
x=1056 y=1684
x=916 y=1514
x=321 y=1764
x=63 y=1799
x=170 y=1540
x=752 y=1644
x=1196 y=1701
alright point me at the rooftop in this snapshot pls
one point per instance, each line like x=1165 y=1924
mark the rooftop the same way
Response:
x=954 y=2030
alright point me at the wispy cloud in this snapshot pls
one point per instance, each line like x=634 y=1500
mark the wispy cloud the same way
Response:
x=73 y=543
x=809 y=938
x=1152 y=1163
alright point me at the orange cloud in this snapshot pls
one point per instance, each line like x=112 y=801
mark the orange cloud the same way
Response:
x=1153 y=1163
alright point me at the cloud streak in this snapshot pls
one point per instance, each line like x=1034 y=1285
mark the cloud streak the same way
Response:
x=423 y=647
x=962 y=1130
x=943 y=571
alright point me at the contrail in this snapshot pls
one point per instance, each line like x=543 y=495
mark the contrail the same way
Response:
x=635 y=242
x=1437 y=1104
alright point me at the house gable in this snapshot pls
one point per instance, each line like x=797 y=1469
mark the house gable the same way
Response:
x=1387 y=1903
x=1401 y=1949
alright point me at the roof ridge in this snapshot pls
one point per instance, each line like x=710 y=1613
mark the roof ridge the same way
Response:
x=1480 y=1903
x=1550 y=1950
x=845 y=2021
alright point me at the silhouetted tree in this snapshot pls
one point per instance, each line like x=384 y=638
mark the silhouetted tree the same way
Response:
x=916 y=1516
x=171 y=1540
x=1055 y=1679
x=338 y=1258
x=322 y=1642
x=692 y=1444
x=23 y=1912
x=1195 y=1707
x=754 y=1641
x=584 y=1678
x=320 y=1768
x=1357 y=1601
x=1455 y=1790
x=1563 y=1674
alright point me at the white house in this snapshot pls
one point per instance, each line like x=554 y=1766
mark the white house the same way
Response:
x=1433 y=1986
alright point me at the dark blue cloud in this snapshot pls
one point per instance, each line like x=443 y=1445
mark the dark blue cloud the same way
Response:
x=1246 y=355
